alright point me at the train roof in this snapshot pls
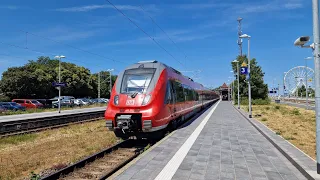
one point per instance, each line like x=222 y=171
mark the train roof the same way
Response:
x=157 y=64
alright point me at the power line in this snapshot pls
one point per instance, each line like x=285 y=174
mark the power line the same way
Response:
x=163 y=31
x=28 y=49
x=71 y=46
x=144 y=32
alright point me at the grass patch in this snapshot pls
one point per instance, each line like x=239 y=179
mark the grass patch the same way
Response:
x=51 y=149
x=297 y=125
x=17 y=139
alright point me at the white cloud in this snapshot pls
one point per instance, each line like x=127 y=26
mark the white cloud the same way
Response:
x=10 y=7
x=203 y=6
x=263 y=6
x=103 y=6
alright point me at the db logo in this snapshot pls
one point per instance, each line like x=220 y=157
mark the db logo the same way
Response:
x=130 y=102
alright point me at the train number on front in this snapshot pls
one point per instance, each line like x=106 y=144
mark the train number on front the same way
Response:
x=130 y=102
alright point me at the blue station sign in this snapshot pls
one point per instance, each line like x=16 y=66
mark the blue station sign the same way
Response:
x=57 y=84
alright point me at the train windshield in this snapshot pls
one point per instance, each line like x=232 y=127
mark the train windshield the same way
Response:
x=137 y=80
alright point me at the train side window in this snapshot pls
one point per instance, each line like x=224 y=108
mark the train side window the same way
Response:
x=179 y=91
x=173 y=91
x=168 y=98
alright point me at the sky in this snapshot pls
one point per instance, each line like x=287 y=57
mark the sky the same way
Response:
x=189 y=35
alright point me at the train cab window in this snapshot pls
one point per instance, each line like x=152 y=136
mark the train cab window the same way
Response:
x=136 y=80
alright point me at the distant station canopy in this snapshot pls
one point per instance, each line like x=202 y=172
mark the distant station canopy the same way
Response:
x=224 y=87
x=224 y=91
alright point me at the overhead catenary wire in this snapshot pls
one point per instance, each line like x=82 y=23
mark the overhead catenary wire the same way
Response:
x=71 y=46
x=36 y=51
x=163 y=31
x=135 y=24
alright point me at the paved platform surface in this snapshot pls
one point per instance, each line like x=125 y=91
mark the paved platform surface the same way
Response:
x=220 y=144
x=48 y=114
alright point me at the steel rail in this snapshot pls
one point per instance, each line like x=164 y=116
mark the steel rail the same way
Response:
x=35 y=124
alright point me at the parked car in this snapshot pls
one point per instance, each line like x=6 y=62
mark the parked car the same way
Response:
x=12 y=106
x=2 y=109
x=78 y=102
x=28 y=103
x=67 y=101
x=85 y=101
x=100 y=100
x=47 y=103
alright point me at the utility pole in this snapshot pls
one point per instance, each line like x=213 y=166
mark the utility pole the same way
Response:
x=238 y=74
x=99 y=83
x=239 y=34
x=110 y=82
x=59 y=105
x=284 y=86
x=315 y=8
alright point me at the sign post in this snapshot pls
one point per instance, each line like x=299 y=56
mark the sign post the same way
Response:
x=58 y=86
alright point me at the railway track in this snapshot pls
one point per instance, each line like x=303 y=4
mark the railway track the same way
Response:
x=102 y=164
x=32 y=124
x=106 y=162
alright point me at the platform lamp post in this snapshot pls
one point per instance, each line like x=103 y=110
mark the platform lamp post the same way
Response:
x=236 y=61
x=232 y=87
x=284 y=86
x=246 y=36
x=59 y=102
x=301 y=41
x=307 y=95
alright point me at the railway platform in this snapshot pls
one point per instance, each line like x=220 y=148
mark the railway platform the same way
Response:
x=221 y=143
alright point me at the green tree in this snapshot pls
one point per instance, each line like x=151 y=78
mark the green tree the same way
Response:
x=34 y=80
x=302 y=91
x=259 y=90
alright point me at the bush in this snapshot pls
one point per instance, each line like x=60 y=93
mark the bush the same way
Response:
x=296 y=112
x=245 y=101
x=267 y=108
x=261 y=101
x=264 y=119
x=277 y=107
x=4 y=98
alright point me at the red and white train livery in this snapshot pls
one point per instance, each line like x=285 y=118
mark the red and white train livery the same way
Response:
x=149 y=96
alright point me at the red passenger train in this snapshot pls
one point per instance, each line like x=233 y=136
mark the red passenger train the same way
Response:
x=150 y=96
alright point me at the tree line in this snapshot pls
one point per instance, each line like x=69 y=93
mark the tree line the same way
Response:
x=34 y=80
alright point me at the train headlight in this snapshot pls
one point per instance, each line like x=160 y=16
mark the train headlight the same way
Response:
x=146 y=99
x=116 y=100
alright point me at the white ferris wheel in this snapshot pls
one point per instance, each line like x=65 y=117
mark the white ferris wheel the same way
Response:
x=296 y=78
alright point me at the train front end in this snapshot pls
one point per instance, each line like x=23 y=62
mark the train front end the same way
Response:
x=135 y=99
